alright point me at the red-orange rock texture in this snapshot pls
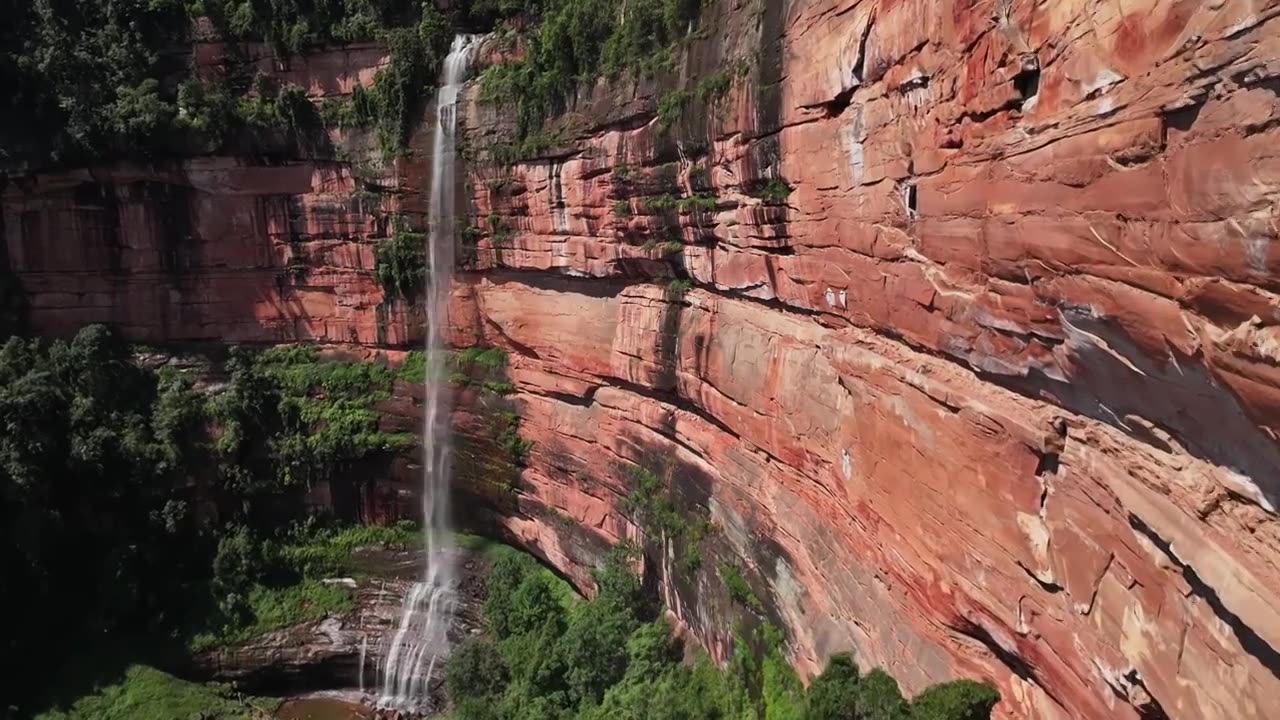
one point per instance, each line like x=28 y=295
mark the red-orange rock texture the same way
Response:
x=216 y=248
x=992 y=392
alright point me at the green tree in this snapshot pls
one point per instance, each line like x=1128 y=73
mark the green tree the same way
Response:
x=833 y=694
x=593 y=649
x=506 y=574
x=533 y=606
x=878 y=698
x=475 y=670
x=955 y=700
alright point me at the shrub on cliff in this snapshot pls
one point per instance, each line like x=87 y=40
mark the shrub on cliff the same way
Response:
x=579 y=40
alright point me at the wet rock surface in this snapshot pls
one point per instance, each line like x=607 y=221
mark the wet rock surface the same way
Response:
x=321 y=660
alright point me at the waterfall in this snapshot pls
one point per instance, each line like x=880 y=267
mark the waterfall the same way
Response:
x=421 y=641
x=364 y=648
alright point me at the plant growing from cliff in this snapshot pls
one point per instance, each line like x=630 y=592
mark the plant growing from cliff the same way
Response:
x=509 y=439
x=678 y=288
x=577 y=40
x=774 y=190
x=698 y=201
x=485 y=367
x=401 y=264
x=326 y=414
x=739 y=589
x=955 y=700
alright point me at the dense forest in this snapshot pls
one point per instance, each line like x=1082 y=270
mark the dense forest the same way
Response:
x=136 y=507
x=548 y=656
x=96 y=80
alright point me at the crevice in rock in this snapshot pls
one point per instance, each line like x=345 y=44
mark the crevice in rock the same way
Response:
x=1010 y=659
x=586 y=400
x=1047 y=464
x=1027 y=81
x=1148 y=707
x=1048 y=586
x=518 y=346
x=1249 y=639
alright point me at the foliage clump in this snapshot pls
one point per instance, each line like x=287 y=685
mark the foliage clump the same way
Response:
x=545 y=655
x=579 y=40
x=98 y=80
x=401 y=264
x=139 y=505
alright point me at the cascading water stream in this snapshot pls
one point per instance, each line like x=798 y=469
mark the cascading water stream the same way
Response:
x=421 y=641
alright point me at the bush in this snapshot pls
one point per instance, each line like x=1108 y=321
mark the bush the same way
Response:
x=878 y=698
x=834 y=693
x=578 y=40
x=533 y=606
x=956 y=700
x=475 y=670
x=401 y=264
x=593 y=650
x=612 y=658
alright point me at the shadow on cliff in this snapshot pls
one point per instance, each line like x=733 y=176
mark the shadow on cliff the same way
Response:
x=1158 y=403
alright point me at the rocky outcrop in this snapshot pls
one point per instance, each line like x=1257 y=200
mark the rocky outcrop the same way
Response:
x=979 y=373
x=969 y=363
x=260 y=247
x=327 y=653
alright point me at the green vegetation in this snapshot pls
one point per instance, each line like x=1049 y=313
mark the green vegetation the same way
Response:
x=509 y=439
x=704 y=201
x=707 y=91
x=739 y=589
x=774 y=190
x=319 y=550
x=663 y=203
x=577 y=40
x=529 y=145
x=401 y=264
x=135 y=507
x=97 y=80
x=268 y=608
x=81 y=78
x=546 y=655
x=483 y=367
x=651 y=506
x=316 y=415
x=678 y=288
x=145 y=693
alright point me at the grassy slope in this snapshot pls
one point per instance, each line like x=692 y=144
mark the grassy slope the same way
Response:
x=145 y=693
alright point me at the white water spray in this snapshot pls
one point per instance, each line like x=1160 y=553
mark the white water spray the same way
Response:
x=364 y=648
x=421 y=641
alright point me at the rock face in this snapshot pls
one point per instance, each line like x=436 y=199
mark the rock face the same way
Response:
x=992 y=391
x=974 y=366
x=326 y=654
x=253 y=249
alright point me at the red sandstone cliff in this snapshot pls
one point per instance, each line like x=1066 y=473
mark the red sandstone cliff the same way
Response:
x=993 y=392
